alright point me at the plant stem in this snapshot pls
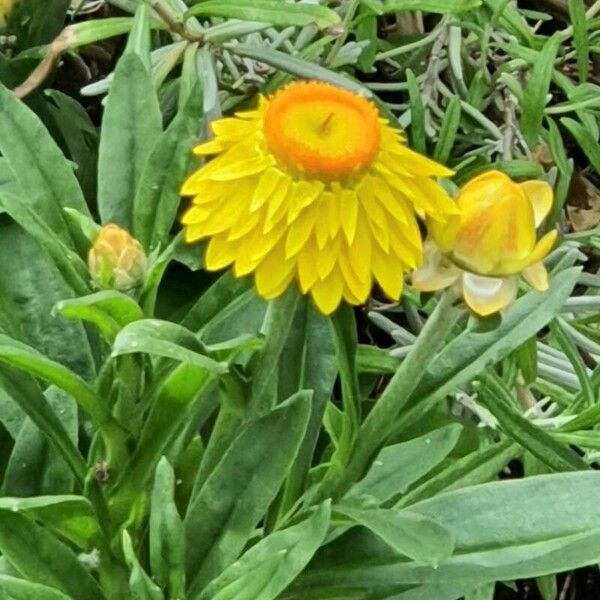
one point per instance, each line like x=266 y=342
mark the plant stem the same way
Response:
x=339 y=42
x=380 y=422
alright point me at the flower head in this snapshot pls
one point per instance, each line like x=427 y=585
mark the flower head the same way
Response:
x=490 y=242
x=314 y=186
x=116 y=260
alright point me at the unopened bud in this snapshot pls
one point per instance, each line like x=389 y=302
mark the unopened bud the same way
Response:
x=117 y=260
x=5 y=8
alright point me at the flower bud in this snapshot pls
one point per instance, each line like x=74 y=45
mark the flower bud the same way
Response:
x=490 y=243
x=5 y=8
x=117 y=260
x=495 y=231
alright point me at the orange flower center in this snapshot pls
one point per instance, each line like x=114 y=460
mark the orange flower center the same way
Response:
x=321 y=130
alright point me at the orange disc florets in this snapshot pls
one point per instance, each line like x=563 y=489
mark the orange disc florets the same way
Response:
x=321 y=130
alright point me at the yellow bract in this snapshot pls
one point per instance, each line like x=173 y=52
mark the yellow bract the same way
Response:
x=5 y=8
x=490 y=242
x=116 y=259
x=315 y=187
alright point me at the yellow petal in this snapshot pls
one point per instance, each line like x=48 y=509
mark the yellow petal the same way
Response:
x=541 y=250
x=242 y=168
x=303 y=194
x=244 y=225
x=219 y=254
x=388 y=273
x=195 y=215
x=331 y=202
x=349 y=214
x=541 y=196
x=263 y=244
x=322 y=226
x=277 y=205
x=233 y=129
x=211 y=147
x=273 y=274
x=536 y=276
x=328 y=256
x=543 y=247
x=307 y=273
x=488 y=295
x=300 y=230
x=266 y=185
x=359 y=289
x=436 y=272
x=359 y=252
x=416 y=164
x=244 y=261
x=327 y=294
x=393 y=203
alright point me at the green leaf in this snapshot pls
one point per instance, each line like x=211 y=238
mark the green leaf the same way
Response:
x=132 y=124
x=448 y=130
x=498 y=400
x=374 y=360
x=480 y=466
x=26 y=393
x=157 y=199
x=142 y=587
x=46 y=179
x=41 y=558
x=168 y=413
x=67 y=261
x=308 y=362
x=166 y=535
x=515 y=529
x=30 y=285
x=297 y=66
x=408 y=533
x=240 y=488
x=163 y=338
x=580 y=37
x=433 y=6
x=88 y=32
x=486 y=343
x=30 y=360
x=41 y=462
x=271 y=565
x=397 y=467
x=275 y=12
x=19 y=589
x=277 y=328
x=536 y=91
x=585 y=139
x=109 y=310
x=70 y=516
x=417 y=113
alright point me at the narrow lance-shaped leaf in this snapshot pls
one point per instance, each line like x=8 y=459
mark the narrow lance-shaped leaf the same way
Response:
x=41 y=558
x=239 y=490
x=131 y=125
x=276 y=12
x=41 y=170
x=267 y=568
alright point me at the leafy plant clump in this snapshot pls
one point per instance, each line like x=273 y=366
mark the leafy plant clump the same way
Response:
x=169 y=433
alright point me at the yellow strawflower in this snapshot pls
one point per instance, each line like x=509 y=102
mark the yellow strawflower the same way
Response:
x=116 y=260
x=486 y=247
x=314 y=186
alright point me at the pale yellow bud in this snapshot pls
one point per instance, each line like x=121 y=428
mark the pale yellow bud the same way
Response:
x=5 y=8
x=117 y=260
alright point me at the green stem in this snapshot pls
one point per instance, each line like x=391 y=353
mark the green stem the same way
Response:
x=337 y=45
x=380 y=422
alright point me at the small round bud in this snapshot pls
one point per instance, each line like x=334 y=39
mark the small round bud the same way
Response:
x=117 y=260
